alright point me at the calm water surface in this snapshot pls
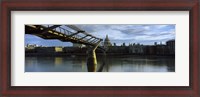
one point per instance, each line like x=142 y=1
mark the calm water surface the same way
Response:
x=113 y=64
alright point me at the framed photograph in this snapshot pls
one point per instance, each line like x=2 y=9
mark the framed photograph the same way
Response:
x=101 y=48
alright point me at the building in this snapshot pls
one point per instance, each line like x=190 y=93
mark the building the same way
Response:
x=171 y=46
x=150 y=50
x=107 y=41
x=118 y=50
x=161 y=49
x=31 y=46
x=49 y=49
x=136 y=49
x=71 y=50
x=78 y=45
x=58 y=49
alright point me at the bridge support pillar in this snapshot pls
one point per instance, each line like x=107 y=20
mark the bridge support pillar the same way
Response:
x=92 y=60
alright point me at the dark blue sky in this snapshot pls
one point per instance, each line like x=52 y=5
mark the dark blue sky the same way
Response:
x=117 y=33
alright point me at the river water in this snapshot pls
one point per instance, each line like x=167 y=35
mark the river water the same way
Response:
x=112 y=64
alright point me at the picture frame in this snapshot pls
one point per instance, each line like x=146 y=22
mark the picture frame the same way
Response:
x=193 y=90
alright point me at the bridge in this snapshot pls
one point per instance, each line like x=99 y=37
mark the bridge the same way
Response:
x=69 y=33
x=63 y=34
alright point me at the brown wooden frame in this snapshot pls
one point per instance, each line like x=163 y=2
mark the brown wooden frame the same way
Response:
x=99 y=5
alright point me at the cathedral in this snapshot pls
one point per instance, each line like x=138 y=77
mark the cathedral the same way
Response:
x=107 y=42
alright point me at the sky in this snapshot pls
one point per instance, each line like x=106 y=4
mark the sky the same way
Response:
x=145 y=34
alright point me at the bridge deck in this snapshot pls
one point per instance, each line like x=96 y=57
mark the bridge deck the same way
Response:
x=62 y=34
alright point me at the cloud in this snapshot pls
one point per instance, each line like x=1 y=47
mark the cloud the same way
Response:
x=120 y=33
x=133 y=33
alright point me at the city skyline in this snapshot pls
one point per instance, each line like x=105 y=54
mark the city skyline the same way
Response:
x=119 y=34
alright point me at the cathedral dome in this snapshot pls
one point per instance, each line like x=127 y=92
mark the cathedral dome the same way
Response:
x=107 y=42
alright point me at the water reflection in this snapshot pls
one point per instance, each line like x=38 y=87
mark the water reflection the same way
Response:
x=58 y=60
x=112 y=64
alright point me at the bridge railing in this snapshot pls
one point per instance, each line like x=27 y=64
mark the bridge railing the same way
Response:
x=64 y=30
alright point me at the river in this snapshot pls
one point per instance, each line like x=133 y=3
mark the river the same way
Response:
x=123 y=63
